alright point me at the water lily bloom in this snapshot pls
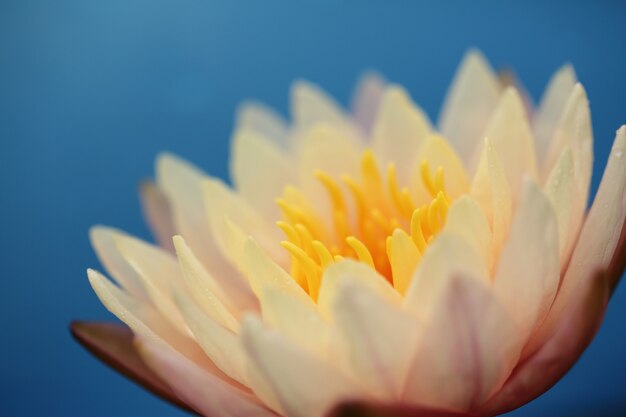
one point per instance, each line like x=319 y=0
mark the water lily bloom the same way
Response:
x=365 y=261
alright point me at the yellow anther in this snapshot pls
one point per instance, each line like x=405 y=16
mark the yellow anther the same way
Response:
x=338 y=258
x=312 y=271
x=433 y=220
x=439 y=182
x=427 y=178
x=362 y=253
x=305 y=238
x=290 y=232
x=381 y=220
x=416 y=230
x=357 y=195
x=324 y=255
x=333 y=190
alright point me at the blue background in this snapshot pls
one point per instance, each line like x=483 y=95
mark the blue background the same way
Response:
x=92 y=90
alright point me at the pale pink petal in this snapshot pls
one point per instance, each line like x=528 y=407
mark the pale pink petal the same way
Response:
x=366 y=99
x=203 y=391
x=472 y=97
x=527 y=274
x=260 y=171
x=158 y=214
x=305 y=385
x=467 y=350
x=374 y=340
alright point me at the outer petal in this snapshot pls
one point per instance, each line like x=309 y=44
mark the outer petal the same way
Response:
x=527 y=275
x=512 y=139
x=305 y=385
x=366 y=99
x=399 y=131
x=355 y=409
x=598 y=238
x=374 y=340
x=551 y=107
x=264 y=121
x=447 y=254
x=471 y=99
x=158 y=214
x=260 y=171
x=205 y=392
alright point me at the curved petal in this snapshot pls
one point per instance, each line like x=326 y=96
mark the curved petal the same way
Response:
x=366 y=99
x=399 y=131
x=527 y=275
x=305 y=385
x=260 y=171
x=467 y=349
x=205 y=392
x=113 y=344
x=157 y=211
x=362 y=409
x=471 y=99
x=266 y=122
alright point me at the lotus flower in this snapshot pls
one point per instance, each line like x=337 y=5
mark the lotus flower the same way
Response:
x=364 y=262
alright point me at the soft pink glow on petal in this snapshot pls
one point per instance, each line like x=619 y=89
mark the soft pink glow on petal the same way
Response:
x=158 y=214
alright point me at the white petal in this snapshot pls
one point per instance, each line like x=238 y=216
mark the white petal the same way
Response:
x=355 y=272
x=311 y=106
x=374 y=340
x=264 y=121
x=560 y=191
x=304 y=385
x=512 y=139
x=448 y=253
x=491 y=190
x=158 y=214
x=551 y=107
x=206 y=393
x=399 y=131
x=471 y=99
x=366 y=99
x=260 y=171
x=204 y=288
x=598 y=238
x=467 y=351
x=527 y=275
x=466 y=218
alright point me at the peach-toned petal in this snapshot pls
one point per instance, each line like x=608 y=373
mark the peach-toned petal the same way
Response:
x=472 y=97
x=512 y=139
x=371 y=409
x=598 y=238
x=404 y=258
x=205 y=392
x=366 y=99
x=304 y=385
x=260 y=171
x=491 y=190
x=264 y=121
x=374 y=340
x=399 y=131
x=467 y=219
x=559 y=188
x=527 y=274
x=447 y=254
x=467 y=350
x=204 y=288
x=158 y=214
x=355 y=272
x=125 y=275
x=551 y=107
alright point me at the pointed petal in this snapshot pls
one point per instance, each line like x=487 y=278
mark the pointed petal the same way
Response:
x=467 y=219
x=206 y=393
x=310 y=105
x=527 y=275
x=260 y=171
x=468 y=348
x=447 y=254
x=355 y=272
x=469 y=103
x=264 y=121
x=158 y=214
x=203 y=287
x=366 y=99
x=559 y=188
x=374 y=340
x=512 y=139
x=113 y=344
x=399 y=131
x=304 y=385
x=491 y=190
x=404 y=258
x=598 y=239
x=551 y=107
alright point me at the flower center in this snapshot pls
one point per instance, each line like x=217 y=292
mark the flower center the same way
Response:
x=378 y=224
